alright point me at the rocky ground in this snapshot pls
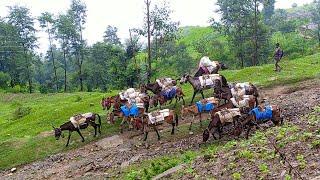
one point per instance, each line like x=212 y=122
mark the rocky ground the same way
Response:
x=108 y=157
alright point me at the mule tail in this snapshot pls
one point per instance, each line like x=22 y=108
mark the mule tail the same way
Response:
x=99 y=119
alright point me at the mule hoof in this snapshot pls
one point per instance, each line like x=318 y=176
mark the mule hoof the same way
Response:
x=190 y=133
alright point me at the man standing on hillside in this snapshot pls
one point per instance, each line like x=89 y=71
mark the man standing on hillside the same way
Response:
x=277 y=57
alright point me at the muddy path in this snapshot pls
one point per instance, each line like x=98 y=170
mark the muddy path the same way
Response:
x=107 y=157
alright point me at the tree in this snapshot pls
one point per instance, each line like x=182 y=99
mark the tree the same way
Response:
x=10 y=52
x=111 y=37
x=47 y=22
x=148 y=2
x=77 y=12
x=242 y=23
x=268 y=10
x=21 y=18
x=64 y=33
x=316 y=17
x=158 y=28
x=162 y=27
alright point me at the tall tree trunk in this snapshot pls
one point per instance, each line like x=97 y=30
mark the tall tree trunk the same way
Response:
x=149 y=40
x=65 y=70
x=53 y=62
x=319 y=34
x=255 y=55
x=81 y=59
x=133 y=50
x=28 y=70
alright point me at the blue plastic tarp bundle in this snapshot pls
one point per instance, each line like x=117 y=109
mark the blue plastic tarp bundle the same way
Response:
x=133 y=111
x=204 y=107
x=262 y=115
x=170 y=93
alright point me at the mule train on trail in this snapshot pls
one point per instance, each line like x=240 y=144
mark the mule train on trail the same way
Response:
x=228 y=103
x=77 y=122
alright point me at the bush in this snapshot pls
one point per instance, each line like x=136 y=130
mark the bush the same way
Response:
x=17 y=89
x=4 y=79
x=21 y=112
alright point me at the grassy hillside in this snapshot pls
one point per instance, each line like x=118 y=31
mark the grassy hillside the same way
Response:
x=29 y=138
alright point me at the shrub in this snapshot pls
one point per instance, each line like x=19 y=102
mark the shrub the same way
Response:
x=20 y=112
x=4 y=78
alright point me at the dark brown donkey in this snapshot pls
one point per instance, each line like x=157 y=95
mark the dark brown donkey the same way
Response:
x=219 y=120
x=162 y=100
x=253 y=117
x=90 y=119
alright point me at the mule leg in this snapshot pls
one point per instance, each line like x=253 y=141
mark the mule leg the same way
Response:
x=68 y=139
x=248 y=130
x=80 y=135
x=145 y=135
x=122 y=124
x=183 y=101
x=200 y=120
x=175 y=104
x=172 y=131
x=94 y=125
x=194 y=94
x=156 y=129
x=214 y=130
x=202 y=94
x=220 y=128
x=190 y=126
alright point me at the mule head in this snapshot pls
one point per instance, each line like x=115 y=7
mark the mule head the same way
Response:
x=205 y=135
x=57 y=133
x=106 y=103
x=223 y=66
x=184 y=78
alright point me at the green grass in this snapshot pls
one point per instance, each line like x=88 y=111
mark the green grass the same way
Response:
x=293 y=71
x=21 y=140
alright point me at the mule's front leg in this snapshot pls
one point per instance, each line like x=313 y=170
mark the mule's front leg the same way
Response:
x=194 y=94
x=68 y=139
x=145 y=135
x=202 y=94
x=200 y=120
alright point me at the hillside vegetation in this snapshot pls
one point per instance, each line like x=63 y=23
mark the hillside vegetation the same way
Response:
x=26 y=120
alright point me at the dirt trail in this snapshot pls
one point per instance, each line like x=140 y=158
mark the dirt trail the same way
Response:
x=114 y=153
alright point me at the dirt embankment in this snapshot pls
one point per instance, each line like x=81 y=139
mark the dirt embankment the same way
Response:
x=119 y=151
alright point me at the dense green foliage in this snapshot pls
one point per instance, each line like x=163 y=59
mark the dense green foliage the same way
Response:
x=244 y=36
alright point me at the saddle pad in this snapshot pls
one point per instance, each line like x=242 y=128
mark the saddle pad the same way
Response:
x=238 y=92
x=212 y=100
x=262 y=115
x=158 y=116
x=241 y=102
x=227 y=115
x=204 y=107
x=140 y=105
x=207 y=80
x=77 y=120
x=130 y=111
x=169 y=93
